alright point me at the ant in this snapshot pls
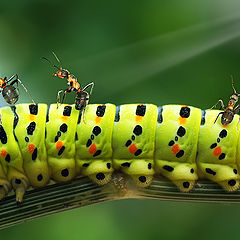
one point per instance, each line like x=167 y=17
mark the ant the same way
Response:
x=9 y=92
x=231 y=110
x=82 y=98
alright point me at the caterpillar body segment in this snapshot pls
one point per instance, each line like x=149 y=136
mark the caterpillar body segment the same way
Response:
x=134 y=141
x=60 y=141
x=94 y=142
x=176 y=144
x=30 y=133
x=10 y=155
x=217 y=150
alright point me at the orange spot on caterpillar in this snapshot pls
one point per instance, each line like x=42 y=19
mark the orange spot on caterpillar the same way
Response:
x=31 y=148
x=3 y=153
x=31 y=117
x=138 y=118
x=182 y=120
x=92 y=149
x=98 y=119
x=217 y=151
x=132 y=148
x=175 y=148
x=225 y=126
x=64 y=118
x=59 y=145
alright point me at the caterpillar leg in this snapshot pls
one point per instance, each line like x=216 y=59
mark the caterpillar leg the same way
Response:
x=183 y=175
x=230 y=185
x=20 y=186
x=141 y=171
x=225 y=176
x=133 y=141
x=19 y=183
x=184 y=185
x=99 y=171
x=142 y=180
x=5 y=186
x=101 y=178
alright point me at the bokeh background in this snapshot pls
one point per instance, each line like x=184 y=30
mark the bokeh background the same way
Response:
x=159 y=52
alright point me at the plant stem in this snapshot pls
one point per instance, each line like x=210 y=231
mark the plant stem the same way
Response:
x=81 y=192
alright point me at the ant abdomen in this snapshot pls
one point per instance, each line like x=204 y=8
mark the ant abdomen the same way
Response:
x=81 y=100
x=10 y=94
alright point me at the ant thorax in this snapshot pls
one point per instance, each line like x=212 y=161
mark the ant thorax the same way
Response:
x=72 y=78
x=72 y=81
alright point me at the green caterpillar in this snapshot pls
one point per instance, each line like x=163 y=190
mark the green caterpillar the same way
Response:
x=180 y=142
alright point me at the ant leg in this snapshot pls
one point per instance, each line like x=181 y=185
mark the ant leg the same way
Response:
x=238 y=123
x=64 y=94
x=222 y=104
x=58 y=96
x=11 y=78
x=83 y=114
x=236 y=109
x=87 y=86
x=17 y=80
x=217 y=119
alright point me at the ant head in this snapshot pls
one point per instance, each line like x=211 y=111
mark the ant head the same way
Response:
x=61 y=73
x=2 y=81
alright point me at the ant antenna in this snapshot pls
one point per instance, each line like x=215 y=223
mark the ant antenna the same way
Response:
x=233 y=86
x=24 y=88
x=54 y=54
x=51 y=63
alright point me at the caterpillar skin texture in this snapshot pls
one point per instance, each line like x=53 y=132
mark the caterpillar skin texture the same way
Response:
x=180 y=142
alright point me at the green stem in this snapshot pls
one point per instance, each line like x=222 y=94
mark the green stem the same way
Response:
x=81 y=192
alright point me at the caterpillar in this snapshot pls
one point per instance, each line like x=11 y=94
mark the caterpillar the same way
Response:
x=179 y=142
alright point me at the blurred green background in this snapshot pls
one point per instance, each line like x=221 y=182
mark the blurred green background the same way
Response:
x=158 y=52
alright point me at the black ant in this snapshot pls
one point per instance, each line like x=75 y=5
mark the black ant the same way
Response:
x=9 y=92
x=231 y=110
x=82 y=98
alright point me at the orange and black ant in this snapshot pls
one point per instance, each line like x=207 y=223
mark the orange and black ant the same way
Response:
x=9 y=92
x=82 y=98
x=230 y=110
